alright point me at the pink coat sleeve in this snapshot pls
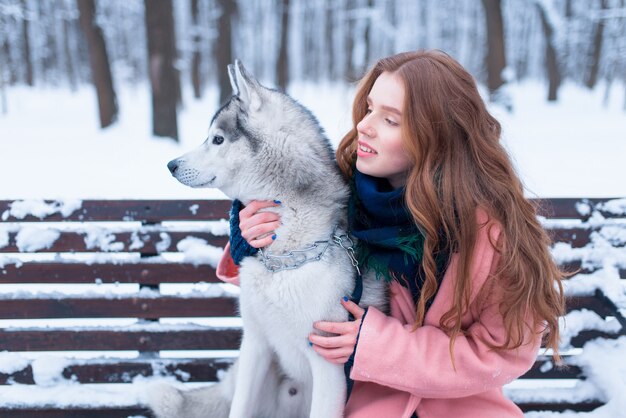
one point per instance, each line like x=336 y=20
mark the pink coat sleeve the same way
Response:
x=389 y=353
x=227 y=270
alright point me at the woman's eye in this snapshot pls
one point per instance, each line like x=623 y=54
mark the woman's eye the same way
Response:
x=217 y=139
x=391 y=122
x=368 y=111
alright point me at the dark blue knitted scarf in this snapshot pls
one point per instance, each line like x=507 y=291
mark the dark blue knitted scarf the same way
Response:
x=390 y=243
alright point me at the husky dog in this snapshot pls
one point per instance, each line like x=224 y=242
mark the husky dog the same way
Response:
x=263 y=145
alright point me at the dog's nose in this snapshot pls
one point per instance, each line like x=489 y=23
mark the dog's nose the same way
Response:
x=173 y=166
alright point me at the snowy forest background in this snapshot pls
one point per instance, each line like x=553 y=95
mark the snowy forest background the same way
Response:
x=189 y=42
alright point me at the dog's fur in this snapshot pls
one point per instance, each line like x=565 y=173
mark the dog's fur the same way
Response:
x=273 y=148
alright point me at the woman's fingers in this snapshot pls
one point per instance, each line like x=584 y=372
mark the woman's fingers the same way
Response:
x=259 y=231
x=337 y=327
x=258 y=228
x=336 y=355
x=347 y=340
x=258 y=219
x=262 y=241
x=254 y=206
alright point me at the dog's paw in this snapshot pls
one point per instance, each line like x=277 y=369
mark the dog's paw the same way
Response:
x=164 y=400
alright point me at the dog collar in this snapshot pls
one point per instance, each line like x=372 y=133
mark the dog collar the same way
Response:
x=291 y=260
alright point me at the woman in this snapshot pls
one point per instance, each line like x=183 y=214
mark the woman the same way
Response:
x=440 y=213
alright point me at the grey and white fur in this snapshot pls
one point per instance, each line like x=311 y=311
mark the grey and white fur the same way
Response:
x=263 y=145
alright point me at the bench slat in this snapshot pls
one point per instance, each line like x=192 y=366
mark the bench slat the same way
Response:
x=214 y=338
x=75 y=413
x=567 y=207
x=124 y=370
x=146 y=211
x=144 y=273
x=164 y=306
x=74 y=242
x=129 y=411
x=204 y=370
x=171 y=306
x=560 y=406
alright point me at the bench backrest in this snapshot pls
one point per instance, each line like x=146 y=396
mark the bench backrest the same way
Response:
x=152 y=244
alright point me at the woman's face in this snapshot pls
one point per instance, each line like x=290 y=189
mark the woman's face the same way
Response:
x=380 y=151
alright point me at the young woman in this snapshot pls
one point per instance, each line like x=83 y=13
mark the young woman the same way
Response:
x=440 y=213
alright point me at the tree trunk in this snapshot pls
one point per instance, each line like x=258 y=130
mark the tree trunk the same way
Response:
x=282 y=67
x=98 y=58
x=350 y=70
x=3 y=94
x=28 y=63
x=196 y=76
x=495 y=60
x=163 y=75
x=224 y=47
x=368 y=38
x=67 y=51
x=592 y=75
x=552 y=64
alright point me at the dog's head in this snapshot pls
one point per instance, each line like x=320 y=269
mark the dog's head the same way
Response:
x=260 y=141
x=218 y=160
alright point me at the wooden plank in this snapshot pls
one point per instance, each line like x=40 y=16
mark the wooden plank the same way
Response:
x=172 y=306
x=75 y=412
x=146 y=211
x=144 y=273
x=125 y=412
x=214 y=338
x=161 y=307
x=577 y=237
x=585 y=336
x=124 y=370
x=24 y=376
x=560 y=407
x=74 y=242
x=567 y=207
x=566 y=372
x=589 y=302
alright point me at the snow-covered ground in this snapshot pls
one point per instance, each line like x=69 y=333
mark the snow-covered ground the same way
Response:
x=51 y=147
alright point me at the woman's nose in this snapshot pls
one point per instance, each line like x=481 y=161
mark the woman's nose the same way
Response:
x=365 y=128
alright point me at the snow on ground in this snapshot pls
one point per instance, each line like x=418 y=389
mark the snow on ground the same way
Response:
x=51 y=146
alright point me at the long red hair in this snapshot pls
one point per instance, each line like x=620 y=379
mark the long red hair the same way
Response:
x=459 y=166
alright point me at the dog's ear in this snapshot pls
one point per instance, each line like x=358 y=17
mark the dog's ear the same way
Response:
x=233 y=79
x=244 y=85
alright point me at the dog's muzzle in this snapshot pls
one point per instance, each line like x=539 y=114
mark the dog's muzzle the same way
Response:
x=173 y=166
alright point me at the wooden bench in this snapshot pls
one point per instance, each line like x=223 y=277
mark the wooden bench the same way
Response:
x=153 y=247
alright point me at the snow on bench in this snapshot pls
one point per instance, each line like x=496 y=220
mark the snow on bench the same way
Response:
x=98 y=298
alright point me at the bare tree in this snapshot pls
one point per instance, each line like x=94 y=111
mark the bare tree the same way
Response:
x=592 y=75
x=546 y=12
x=100 y=68
x=495 y=59
x=66 y=17
x=224 y=46
x=26 y=58
x=163 y=76
x=196 y=76
x=282 y=64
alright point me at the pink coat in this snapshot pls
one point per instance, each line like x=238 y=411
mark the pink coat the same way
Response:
x=398 y=371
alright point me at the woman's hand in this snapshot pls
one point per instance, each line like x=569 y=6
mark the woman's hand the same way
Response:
x=257 y=228
x=338 y=348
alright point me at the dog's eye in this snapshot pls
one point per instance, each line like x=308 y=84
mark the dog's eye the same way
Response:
x=217 y=139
